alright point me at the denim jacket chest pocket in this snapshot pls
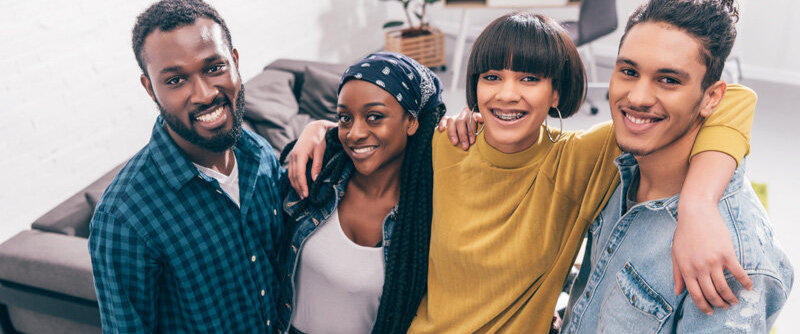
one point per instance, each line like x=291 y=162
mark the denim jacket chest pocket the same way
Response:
x=632 y=306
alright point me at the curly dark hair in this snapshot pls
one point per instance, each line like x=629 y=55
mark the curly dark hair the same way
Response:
x=170 y=14
x=711 y=22
x=406 y=276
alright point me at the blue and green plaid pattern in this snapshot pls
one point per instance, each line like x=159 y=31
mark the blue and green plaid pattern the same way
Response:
x=172 y=253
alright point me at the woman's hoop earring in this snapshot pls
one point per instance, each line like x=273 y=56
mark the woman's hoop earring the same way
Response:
x=479 y=129
x=560 y=127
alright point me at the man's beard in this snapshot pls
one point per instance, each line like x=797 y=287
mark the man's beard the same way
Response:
x=217 y=143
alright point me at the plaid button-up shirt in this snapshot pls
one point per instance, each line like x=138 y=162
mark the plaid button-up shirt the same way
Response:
x=171 y=252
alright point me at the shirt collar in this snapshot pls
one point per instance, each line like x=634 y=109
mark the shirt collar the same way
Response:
x=629 y=168
x=175 y=166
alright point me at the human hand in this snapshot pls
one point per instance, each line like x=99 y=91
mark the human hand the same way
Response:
x=701 y=250
x=310 y=145
x=462 y=127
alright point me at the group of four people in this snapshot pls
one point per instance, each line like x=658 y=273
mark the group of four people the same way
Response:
x=399 y=228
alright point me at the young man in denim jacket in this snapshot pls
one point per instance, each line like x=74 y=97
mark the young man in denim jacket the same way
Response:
x=665 y=81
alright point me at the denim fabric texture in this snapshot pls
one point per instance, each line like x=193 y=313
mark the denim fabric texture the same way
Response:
x=625 y=283
x=172 y=253
x=309 y=220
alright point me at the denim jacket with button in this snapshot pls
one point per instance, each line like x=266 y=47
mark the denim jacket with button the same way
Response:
x=626 y=285
x=309 y=219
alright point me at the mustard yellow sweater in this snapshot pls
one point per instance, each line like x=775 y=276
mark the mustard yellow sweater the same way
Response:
x=506 y=228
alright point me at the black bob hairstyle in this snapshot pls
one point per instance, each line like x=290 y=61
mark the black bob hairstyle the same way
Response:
x=530 y=43
x=167 y=15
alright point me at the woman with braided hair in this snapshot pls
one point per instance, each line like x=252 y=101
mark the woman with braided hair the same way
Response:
x=358 y=254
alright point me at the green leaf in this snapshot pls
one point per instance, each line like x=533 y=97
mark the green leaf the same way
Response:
x=431 y=1
x=391 y=24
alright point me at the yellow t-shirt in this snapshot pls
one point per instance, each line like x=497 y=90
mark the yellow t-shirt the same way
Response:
x=506 y=228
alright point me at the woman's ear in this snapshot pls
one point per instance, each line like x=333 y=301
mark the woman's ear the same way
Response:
x=554 y=102
x=412 y=125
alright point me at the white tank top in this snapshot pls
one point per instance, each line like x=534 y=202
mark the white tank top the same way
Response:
x=339 y=283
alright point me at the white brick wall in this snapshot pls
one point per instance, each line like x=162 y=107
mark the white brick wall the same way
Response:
x=71 y=106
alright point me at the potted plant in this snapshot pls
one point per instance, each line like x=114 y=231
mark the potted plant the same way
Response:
x=419 y=40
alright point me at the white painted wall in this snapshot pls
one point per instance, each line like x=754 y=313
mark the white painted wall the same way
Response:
x=71 y=106
x=768 y=43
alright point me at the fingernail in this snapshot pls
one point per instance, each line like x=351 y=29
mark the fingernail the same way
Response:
x=465 y=147
x=710 y=313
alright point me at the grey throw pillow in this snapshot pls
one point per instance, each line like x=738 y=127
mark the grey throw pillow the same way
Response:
x=270 y=105
x=318 y=95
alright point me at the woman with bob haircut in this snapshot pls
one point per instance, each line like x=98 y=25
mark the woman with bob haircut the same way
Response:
x=358 y=254
x=509 y=215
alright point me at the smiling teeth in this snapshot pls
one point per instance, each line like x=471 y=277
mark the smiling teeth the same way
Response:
x=212 y=116
x=635 y=120
x=508 y=116
x=363 y=149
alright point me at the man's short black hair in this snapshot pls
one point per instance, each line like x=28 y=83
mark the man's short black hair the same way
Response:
x=711 y=22
x=170 y=14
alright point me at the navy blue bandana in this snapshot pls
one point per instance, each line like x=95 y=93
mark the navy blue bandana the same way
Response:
x=414 y=86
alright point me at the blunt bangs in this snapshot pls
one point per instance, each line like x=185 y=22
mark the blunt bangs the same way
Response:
x=530 y=43
x=522 y=45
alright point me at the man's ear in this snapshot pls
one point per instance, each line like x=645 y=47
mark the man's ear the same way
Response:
x=413 y=125
x=711 y=97
x=235 y=54
x=148 y=86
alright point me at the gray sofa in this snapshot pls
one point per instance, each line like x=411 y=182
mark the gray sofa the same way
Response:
x=46 y=283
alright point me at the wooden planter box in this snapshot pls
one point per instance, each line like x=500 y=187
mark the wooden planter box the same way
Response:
x=428 y=50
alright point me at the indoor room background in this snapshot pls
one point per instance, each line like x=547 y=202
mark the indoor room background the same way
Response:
x=72 y=106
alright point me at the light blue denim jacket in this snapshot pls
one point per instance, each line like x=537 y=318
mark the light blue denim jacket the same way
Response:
x=625 y=284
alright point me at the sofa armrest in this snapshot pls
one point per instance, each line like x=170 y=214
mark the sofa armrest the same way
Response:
x=71 y=217
x=49 y=261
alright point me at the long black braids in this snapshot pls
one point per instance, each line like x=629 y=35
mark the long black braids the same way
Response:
x=406 y=275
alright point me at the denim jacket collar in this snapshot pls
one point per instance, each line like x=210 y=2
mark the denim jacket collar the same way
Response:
x=339 y=186
x=629 y=170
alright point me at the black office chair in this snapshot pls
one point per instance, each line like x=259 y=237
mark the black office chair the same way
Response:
x=596 y=19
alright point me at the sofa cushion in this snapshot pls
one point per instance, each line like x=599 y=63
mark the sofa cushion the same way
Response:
x=49 y=261
x=27 y=321
x=318 y=96
x=270 y=105
x=298 y=68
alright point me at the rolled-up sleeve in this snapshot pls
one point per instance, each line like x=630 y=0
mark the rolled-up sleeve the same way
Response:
x=125 y=275
x=755 y=313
